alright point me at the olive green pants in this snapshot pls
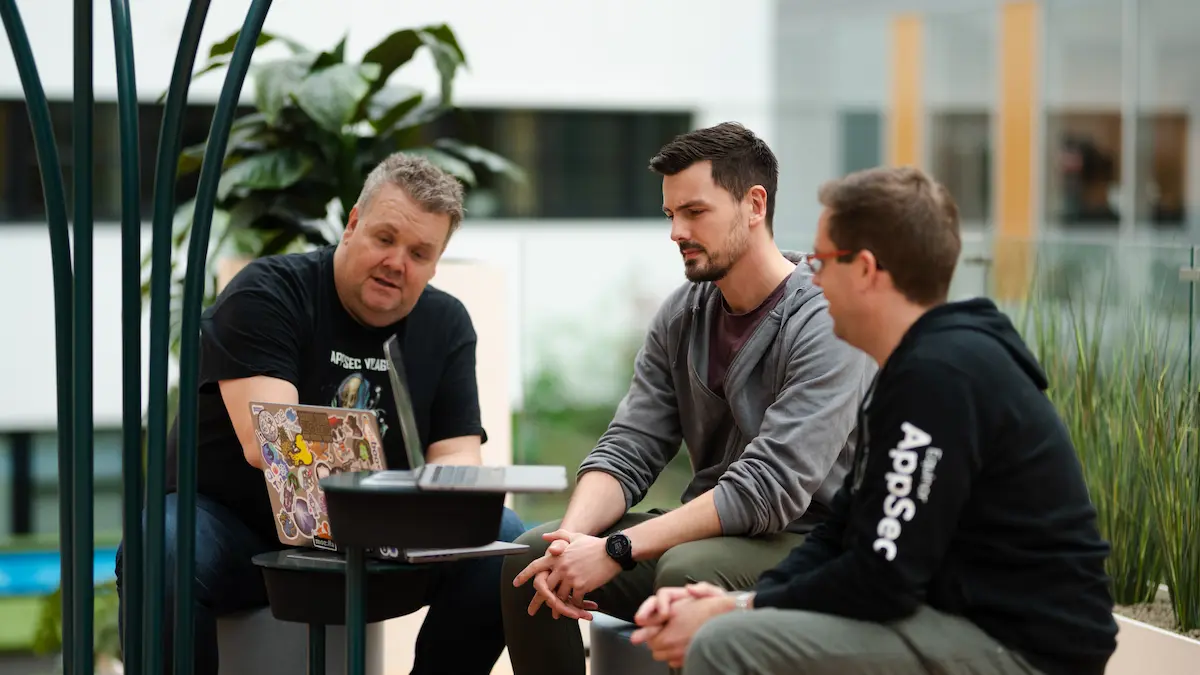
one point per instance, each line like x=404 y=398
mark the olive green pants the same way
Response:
x=791 y=642
x=542 y=644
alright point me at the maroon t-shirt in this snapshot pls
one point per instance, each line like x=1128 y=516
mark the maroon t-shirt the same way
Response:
x=730 y=331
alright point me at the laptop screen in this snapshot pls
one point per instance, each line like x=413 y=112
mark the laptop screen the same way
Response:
x=404 y=411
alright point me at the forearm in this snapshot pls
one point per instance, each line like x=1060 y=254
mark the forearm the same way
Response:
x=597 y=503
x=693 y=521
x=460 y=450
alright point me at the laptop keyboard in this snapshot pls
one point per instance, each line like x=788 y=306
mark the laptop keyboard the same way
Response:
x=467 y=475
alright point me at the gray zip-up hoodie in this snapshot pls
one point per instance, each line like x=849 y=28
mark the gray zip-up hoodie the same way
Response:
x=776 y=449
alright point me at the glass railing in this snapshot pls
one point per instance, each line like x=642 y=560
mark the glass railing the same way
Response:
x=1084 y=307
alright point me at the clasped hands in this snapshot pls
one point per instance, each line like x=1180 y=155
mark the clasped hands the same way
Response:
x=575 y=564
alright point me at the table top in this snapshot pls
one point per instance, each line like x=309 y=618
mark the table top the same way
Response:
x=391 y=481
x=316 y=560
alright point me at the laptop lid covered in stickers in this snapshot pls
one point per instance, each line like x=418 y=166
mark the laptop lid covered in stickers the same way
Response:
x=300 y=445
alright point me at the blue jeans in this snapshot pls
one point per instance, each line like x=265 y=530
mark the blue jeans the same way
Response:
x=463 y=631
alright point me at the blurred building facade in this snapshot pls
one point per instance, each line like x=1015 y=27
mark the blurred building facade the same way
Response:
x=1059 y=120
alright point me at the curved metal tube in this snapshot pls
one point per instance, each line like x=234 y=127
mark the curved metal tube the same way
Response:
x=131 y=314
x=82 y=480
x=54 y=194
x=170 y=142
x=193 y=293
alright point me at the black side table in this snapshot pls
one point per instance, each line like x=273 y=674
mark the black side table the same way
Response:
x=392 y=512
x=308 y=586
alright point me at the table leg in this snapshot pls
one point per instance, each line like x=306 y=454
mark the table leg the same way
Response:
x=316 y=649
x=356 y=612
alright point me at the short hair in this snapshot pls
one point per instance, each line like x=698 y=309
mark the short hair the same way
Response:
x=435 y=190
x=740 y=160
x=906 y=219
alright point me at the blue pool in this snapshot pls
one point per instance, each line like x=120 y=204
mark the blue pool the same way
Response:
x=37 y=572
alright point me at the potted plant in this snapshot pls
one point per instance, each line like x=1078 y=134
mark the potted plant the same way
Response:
x=294 y=166
x=1123 y=391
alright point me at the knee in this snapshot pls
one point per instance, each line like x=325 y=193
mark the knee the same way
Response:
x=513 y=564
x=511 y=526
x=712 y=647
x=688 y=564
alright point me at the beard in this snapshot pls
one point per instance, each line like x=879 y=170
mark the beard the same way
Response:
x=712 y=266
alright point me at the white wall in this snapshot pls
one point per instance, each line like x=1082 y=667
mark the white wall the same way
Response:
x=680 y=54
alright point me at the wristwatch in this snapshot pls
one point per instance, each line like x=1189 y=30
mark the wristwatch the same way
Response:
x=743 y=600
x=618 y=548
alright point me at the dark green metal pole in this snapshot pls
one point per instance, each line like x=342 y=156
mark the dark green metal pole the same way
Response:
x=356 y=611
x=54 y=194
x=131 y=335
x=193 y=293
x=316 y=649
x=169 y=144
x=83 y=548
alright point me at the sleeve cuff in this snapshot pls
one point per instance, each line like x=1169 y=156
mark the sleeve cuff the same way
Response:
x=775 y=596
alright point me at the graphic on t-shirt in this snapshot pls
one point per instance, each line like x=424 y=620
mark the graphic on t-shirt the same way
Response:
x=356 y=392
x=301 y=447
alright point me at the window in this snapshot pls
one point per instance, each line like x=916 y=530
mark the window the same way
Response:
x=578 y=164
x=960 y=154
x=21 y=196
x=862 y=140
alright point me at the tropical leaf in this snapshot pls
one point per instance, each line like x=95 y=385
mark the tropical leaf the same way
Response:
x=276 y=81
x=448 y=163
x=272 y=170
x=331 y=96
x=473 y=153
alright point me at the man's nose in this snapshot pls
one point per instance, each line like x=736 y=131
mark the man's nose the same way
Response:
x=679 y=233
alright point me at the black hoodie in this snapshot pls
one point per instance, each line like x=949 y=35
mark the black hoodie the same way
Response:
x=966 y=496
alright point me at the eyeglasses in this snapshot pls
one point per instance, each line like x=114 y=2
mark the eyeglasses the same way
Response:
x=817 y=260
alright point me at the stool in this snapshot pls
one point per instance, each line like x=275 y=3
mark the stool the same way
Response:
x=307 y=587
x=613 y=654
x=255 y=643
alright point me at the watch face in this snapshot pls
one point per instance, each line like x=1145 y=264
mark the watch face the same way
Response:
x=618 y=546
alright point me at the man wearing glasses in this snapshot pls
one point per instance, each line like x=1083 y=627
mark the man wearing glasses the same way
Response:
x=964 y=540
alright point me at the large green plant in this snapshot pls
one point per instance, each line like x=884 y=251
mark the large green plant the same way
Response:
x=294 y=166
x=1091 y=388
x=1121 y=385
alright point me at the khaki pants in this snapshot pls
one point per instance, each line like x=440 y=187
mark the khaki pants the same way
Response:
x=541 y=644
x=774 y=642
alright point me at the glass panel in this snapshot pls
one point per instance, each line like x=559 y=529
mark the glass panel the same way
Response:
x=6 y=488
x=1083 y=163
x=1167 y=102
x=107 y=472
x=579 y=334
x=862 y=139
x=960 y=96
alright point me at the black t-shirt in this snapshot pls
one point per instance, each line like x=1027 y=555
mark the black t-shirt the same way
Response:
x=281 y=317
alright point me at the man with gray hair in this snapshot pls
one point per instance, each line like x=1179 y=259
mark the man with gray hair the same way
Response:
x=309 y=328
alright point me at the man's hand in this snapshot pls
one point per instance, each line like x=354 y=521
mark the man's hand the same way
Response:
x=656 y=610
x=669 y=641
x=572 y=567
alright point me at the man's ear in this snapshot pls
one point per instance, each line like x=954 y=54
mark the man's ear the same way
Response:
x=758 y=204
x=351 y=224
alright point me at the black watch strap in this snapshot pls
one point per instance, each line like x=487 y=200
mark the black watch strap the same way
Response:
x=619 y=548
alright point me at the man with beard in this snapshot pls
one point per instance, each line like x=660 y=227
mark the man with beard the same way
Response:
x=740 y=363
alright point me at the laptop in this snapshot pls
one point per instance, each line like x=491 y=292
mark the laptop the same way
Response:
x=300 y=445
x=521 y=478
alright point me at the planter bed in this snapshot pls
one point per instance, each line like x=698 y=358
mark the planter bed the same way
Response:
x=1149 y=642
